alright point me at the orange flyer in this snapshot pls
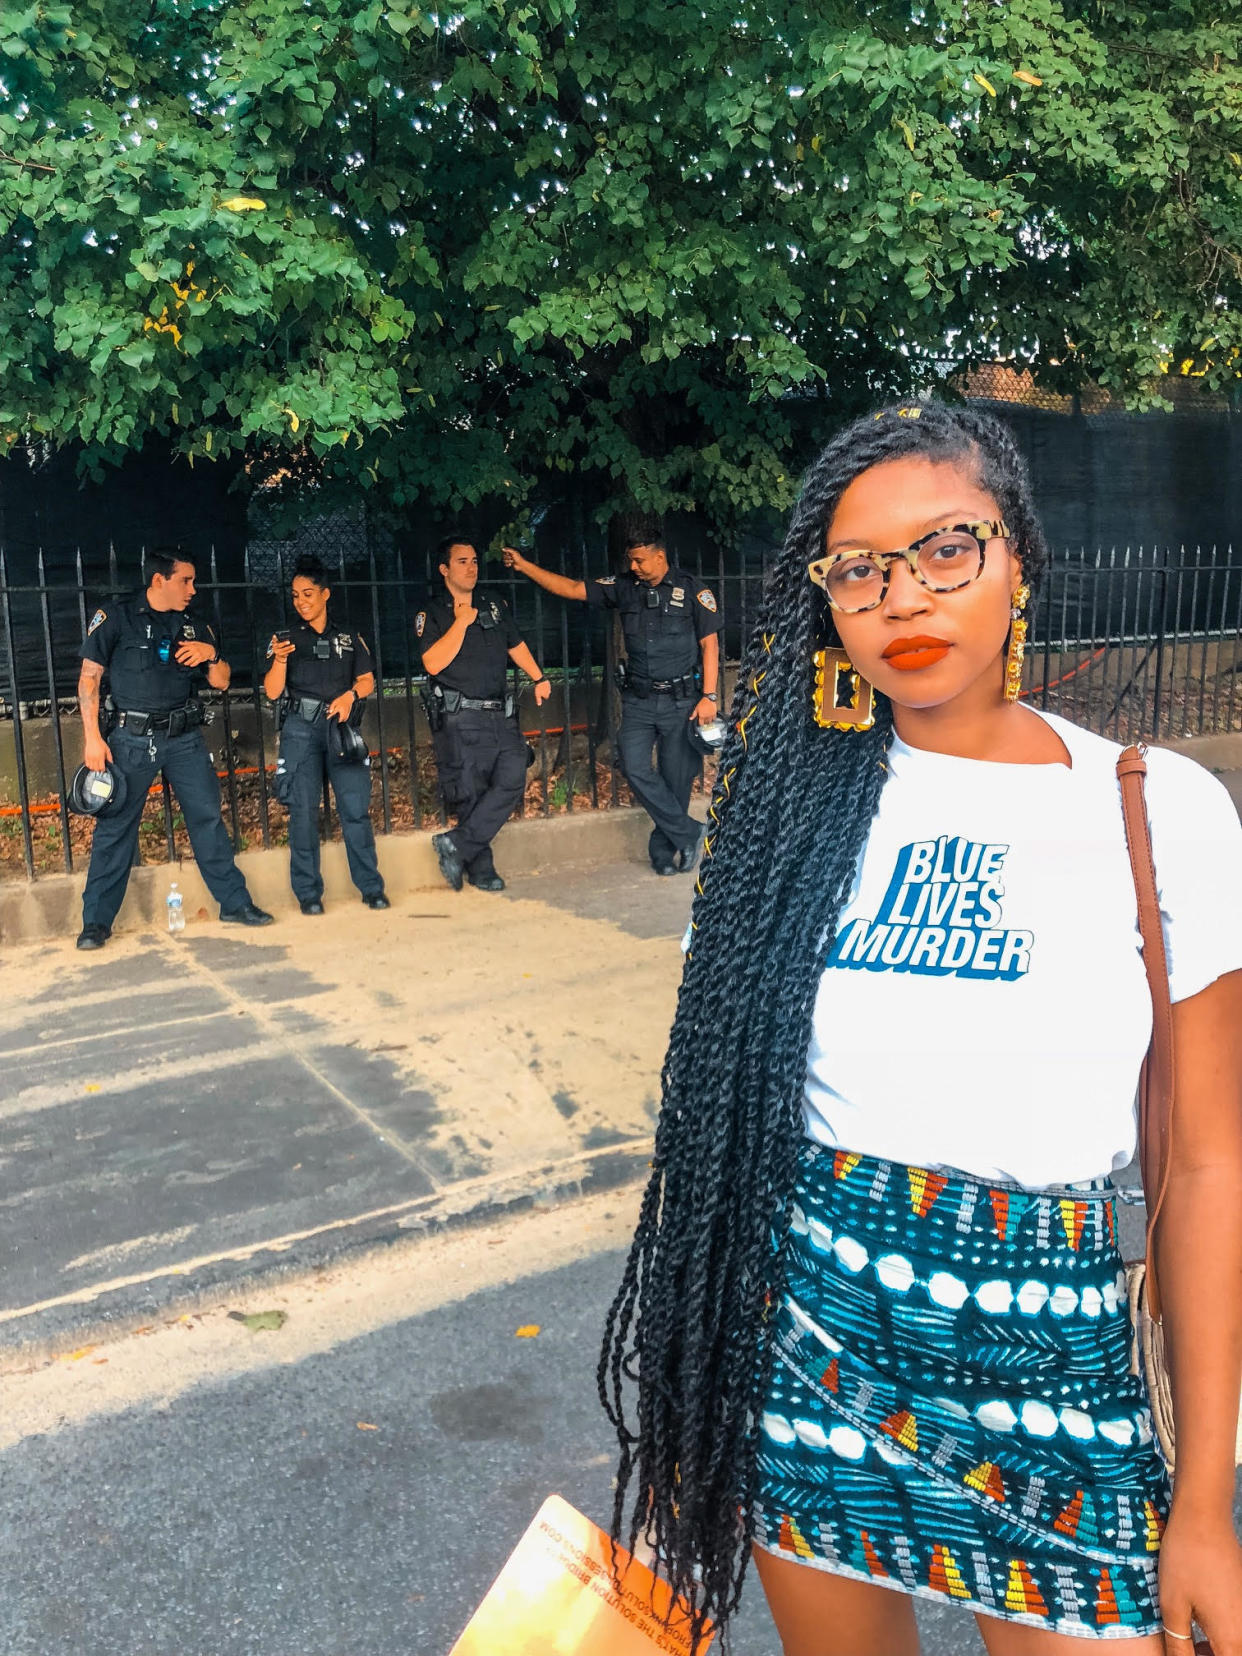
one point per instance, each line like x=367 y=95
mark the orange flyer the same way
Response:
x=556 y=1596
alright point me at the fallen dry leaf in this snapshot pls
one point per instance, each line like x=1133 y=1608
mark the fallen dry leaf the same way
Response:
x=366 y=1426
x=77 y=1356
x=527 y=1331
x=258 y=1321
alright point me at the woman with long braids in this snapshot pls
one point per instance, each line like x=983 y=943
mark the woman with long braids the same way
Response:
x=872 y=1315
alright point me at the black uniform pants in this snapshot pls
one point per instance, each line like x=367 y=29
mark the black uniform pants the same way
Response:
x=307 y=757
x=660 y=722
x=482 y=763
x=186 y=763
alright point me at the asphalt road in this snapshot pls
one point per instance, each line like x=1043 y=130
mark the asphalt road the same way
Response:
x=354 y=1498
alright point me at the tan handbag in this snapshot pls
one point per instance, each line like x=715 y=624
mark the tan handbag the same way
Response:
x=1156 y=1100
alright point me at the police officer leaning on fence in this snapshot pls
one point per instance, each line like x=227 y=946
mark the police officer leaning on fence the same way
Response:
x=321 y=673
x=480 y=752
x=670 y=625
x=152 y=651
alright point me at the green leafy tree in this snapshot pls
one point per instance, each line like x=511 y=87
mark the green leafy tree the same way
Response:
x=653 y=246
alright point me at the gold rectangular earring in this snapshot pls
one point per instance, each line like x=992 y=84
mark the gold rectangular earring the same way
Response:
x=1017 y=645
x=842 y=699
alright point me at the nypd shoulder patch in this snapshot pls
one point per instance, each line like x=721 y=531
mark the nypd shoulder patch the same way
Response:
x=707 y=598
x=97 y=621
x=420 y=621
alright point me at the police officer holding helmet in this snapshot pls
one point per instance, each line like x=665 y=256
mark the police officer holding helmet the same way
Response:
x=321 y=673
x=671 y=626
x=467 y=644
x=152 y=650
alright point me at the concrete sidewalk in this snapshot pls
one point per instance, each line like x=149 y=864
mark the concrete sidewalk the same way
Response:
x=178 y=1114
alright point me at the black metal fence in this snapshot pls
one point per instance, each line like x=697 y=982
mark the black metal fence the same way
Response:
x=1131 y=643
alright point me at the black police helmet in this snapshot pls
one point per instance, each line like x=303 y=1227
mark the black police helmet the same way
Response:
x=96 y=792
x=347 y=744
x=708 y=738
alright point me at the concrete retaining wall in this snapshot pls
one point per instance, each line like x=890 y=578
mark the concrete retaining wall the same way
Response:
x=52 y=907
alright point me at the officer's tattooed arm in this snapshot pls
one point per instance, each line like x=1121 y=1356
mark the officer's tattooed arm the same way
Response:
x=95 y=751
x=561 y=586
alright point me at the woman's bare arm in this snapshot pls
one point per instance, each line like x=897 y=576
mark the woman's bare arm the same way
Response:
x=1199 y=1262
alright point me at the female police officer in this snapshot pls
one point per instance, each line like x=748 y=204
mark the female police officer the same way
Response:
x=323 y=671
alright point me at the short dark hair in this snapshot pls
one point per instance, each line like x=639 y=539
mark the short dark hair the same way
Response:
x=311 y=568
x=446 y=543
x=636 y=538
x=162 y=560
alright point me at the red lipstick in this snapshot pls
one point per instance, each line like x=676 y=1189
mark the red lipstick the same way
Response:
x=907 y=655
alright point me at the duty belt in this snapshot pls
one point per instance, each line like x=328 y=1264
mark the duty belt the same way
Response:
x=474 y=704
x=175 y=723
x=678 y=687
x=307 y=707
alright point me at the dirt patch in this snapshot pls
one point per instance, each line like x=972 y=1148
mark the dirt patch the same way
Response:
x=401 y=801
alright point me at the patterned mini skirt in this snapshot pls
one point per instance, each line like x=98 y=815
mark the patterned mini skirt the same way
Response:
x=951 y=1412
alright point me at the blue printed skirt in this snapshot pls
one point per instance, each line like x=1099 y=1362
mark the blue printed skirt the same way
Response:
x=952 y=1412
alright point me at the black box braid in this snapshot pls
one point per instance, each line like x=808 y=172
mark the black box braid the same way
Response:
x=789 y=818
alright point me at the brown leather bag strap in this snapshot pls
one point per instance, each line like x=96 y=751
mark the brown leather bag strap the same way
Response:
x=1156 y=1085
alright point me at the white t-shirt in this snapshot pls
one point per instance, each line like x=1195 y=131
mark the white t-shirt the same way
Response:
x=984 y=1004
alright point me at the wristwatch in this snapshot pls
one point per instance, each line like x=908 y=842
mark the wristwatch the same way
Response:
x=709 y=695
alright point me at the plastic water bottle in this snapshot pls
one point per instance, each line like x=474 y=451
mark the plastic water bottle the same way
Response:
x=176 y=914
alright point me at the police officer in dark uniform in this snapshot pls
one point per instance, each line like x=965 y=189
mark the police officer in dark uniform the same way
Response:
x=467 y=644
x=321 y=673
x=671 y=627
x=152 y=651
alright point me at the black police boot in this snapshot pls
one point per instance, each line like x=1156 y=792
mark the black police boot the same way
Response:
x=663 y=868
x=308 y=905
x=248 y=916
x=688 y=855
x=377 y=900
x=487 y=882
x=94 y=937
x=451 y=865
